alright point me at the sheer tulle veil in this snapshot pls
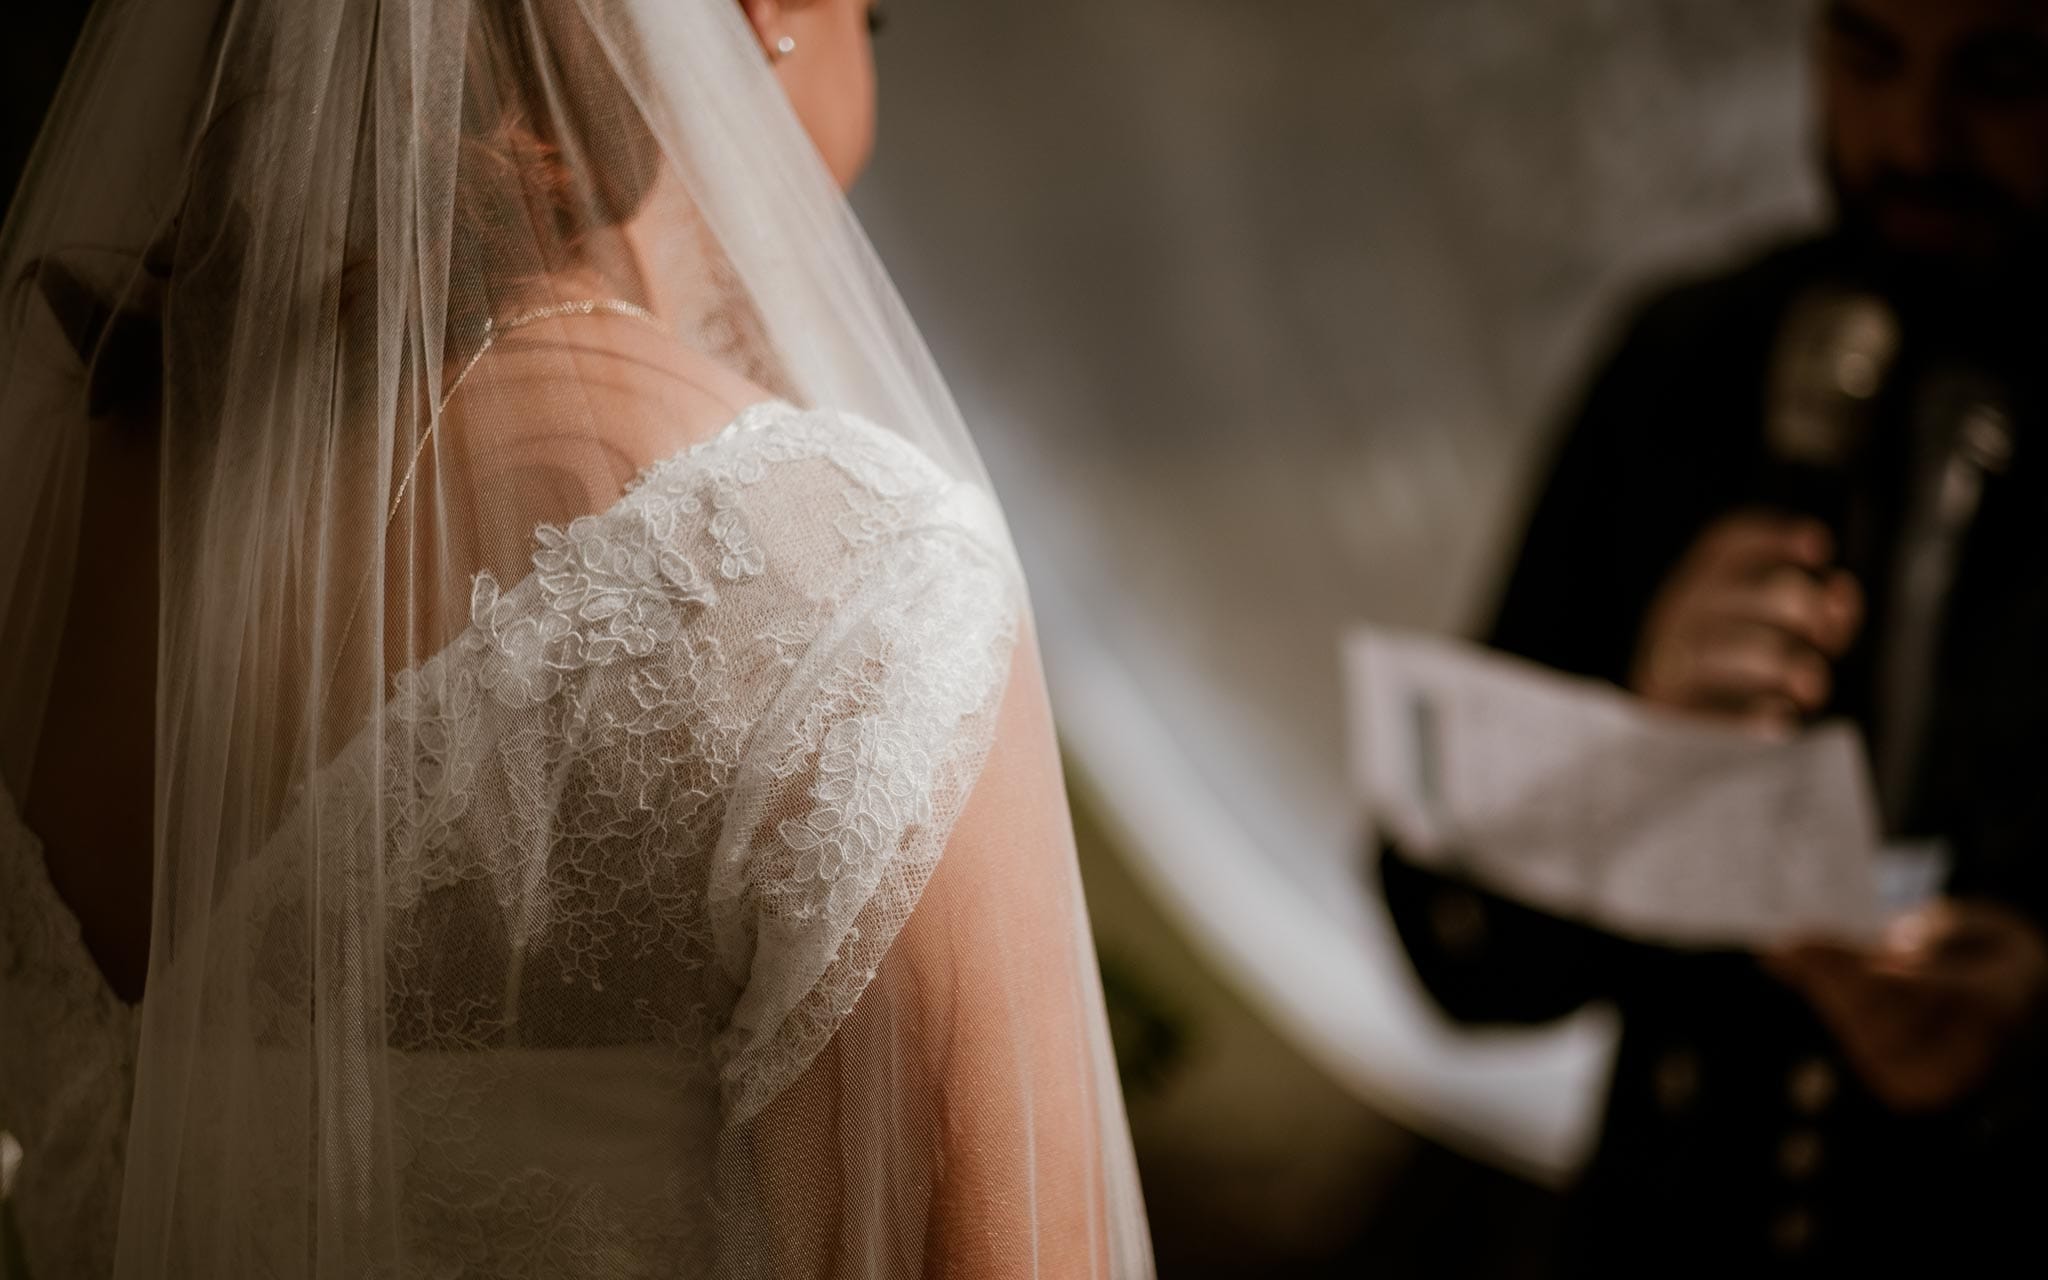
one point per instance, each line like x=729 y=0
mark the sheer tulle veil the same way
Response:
x=607 y=820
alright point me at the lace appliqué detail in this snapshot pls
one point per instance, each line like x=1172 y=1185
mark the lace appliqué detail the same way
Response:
x=682 y=784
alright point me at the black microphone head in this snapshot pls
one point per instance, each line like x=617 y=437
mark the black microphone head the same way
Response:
x=1834 y=351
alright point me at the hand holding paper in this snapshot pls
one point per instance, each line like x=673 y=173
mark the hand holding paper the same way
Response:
x=1579 y=799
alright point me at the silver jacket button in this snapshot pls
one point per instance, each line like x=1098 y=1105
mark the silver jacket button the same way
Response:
x=1811 y=1086
x=1676 y=1079
x=1799 y=1155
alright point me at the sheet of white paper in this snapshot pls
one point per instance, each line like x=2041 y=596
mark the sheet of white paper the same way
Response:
x=1578 y=799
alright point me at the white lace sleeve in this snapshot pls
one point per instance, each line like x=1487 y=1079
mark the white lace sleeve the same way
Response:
x=642 y=834
x=888 y=668
x=772 y=669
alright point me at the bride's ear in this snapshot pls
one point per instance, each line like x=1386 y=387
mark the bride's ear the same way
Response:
x=766 y=18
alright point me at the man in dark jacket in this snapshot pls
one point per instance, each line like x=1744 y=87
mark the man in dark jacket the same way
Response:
x=1823 y=1108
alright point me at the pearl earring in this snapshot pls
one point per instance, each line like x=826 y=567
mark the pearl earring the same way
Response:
x=784 y=47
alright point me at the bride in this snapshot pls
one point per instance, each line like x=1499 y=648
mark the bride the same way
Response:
x=521 y=746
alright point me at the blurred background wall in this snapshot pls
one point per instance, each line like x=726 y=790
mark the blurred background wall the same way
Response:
x=1260 y=309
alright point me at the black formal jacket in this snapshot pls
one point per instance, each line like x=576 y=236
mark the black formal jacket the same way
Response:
x=1736 y=1139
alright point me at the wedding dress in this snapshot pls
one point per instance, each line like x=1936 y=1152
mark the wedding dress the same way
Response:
x=607 y=821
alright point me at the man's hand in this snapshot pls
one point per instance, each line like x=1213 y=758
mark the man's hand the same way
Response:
x=1925 y=1018
x=1749 y=623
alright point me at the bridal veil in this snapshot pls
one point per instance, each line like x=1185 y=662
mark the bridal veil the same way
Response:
x=607 y=820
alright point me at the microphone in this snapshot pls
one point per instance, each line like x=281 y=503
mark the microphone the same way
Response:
x=1835 y=349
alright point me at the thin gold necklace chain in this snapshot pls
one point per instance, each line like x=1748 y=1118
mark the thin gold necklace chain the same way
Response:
x=492 y=330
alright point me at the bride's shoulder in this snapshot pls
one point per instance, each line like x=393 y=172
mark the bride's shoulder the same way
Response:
x=818 y=480
x=783 y=519
x=769 y=436
x=606 y=397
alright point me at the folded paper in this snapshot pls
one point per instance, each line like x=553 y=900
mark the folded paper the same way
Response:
x=1577 y=798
